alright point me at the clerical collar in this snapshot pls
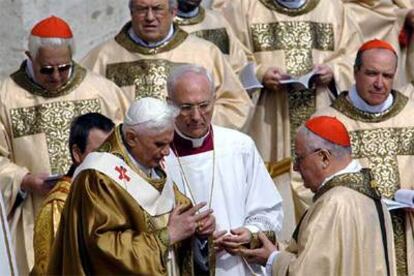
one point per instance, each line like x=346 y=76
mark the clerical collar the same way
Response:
x=353 y=167
x=184 y=145
x=359 y=103
x=189 y=14
x=146 y=44
x=30 y=72
x=291 y=4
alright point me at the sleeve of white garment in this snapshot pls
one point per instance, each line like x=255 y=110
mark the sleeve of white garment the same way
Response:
x=263 y=201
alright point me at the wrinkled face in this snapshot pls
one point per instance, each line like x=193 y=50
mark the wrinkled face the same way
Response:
x=188 y=5
x=308 y=164
x=150 y=148
x=151 y=19
x=196 y=101
x=51 y=67
x=374 y=79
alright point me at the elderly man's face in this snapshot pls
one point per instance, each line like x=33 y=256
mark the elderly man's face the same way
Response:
x=375 y=77
x=308 y=164
x=150 y=148
x=195 y=100
x=151 y=19
x=51 y=67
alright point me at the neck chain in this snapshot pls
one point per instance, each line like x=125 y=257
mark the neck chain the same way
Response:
x=185 y=179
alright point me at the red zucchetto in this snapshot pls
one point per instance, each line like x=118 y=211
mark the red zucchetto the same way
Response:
x=330 y=129
x=376 y=44
x=52 y=27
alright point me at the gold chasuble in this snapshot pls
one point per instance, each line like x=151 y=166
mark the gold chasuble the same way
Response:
x=142 y=72
x=34 y=133
x=341 y=232
x=294 y=40
x=47 y=222
x=384 y=142
x=212 y=26
x=106 y=229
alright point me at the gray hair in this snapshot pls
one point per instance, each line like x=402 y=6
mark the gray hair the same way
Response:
x=172 y=4
x=181 y=70
x=150 y=115
x=314 y=142
x=35 y=43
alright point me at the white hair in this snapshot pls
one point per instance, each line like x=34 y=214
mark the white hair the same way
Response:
x=314 y=142
x=181 y=70
x=35 y=43
x=172 y=4
x=150 y=114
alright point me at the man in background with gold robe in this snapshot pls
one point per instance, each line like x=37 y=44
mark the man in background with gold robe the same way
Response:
x=37 y=105
x=347 y=230
x=87 y=132
x=212 y=26
x=378 y=119
x=124 y=215
x=290 y=39
x=140 y=57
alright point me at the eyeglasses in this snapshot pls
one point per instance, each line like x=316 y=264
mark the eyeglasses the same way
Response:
x=300 y=158
x=202 y=107
x=50 y=69
x=142 y=11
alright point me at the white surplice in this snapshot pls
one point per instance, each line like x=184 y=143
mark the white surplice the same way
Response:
x=243 y=193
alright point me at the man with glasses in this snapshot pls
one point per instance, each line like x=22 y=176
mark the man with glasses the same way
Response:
x=37 y=105
x=379 y=120
x=141 y=56
x=347 y=230
x=222 y=167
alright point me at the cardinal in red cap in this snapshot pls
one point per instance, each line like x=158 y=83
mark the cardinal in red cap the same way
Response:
x=50 y=53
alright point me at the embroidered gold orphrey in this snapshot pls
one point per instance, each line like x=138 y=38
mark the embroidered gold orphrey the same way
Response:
x=52 y=119
x=218 y=37
x=297 y=39
x=149 y=76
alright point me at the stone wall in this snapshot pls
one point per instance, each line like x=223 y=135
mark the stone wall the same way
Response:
x=92 y=22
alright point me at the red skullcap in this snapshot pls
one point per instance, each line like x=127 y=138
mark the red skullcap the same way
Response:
x=52 y=27
x=376 y=44
x=330 y=129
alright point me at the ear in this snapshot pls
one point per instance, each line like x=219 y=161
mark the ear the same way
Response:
x=326 y=158
x=130 y=138
x=77 y=154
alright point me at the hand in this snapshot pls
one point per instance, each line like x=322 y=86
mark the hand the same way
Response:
x=206 y=226
x=183 y=223
x=218 y=240
x=35 y=183
x=259 y=255
x=272 y=78
x=325 y=74
x=239 y=236
x=409 y=19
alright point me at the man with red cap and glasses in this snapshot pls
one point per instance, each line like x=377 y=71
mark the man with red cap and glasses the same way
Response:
x=347 y=230
x=378 y=119
x=37 y=105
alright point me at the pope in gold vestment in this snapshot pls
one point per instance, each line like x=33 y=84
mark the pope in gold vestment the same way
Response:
x=340 y=234
x=384 y=142
x=104 y=230
x=212 y=26
x=294 y=40
x=142 y=72
x=34 y=132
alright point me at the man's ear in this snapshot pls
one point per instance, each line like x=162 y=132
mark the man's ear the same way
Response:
x=77 y=154
x=326 y=157
x=130 y=138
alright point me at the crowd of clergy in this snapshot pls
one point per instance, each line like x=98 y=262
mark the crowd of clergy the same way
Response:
x=223 y=137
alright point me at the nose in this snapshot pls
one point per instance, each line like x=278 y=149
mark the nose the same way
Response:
x=55 y=75
x=165 y=151
x=379 y=81
x=149 y=16
x=196 y=114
